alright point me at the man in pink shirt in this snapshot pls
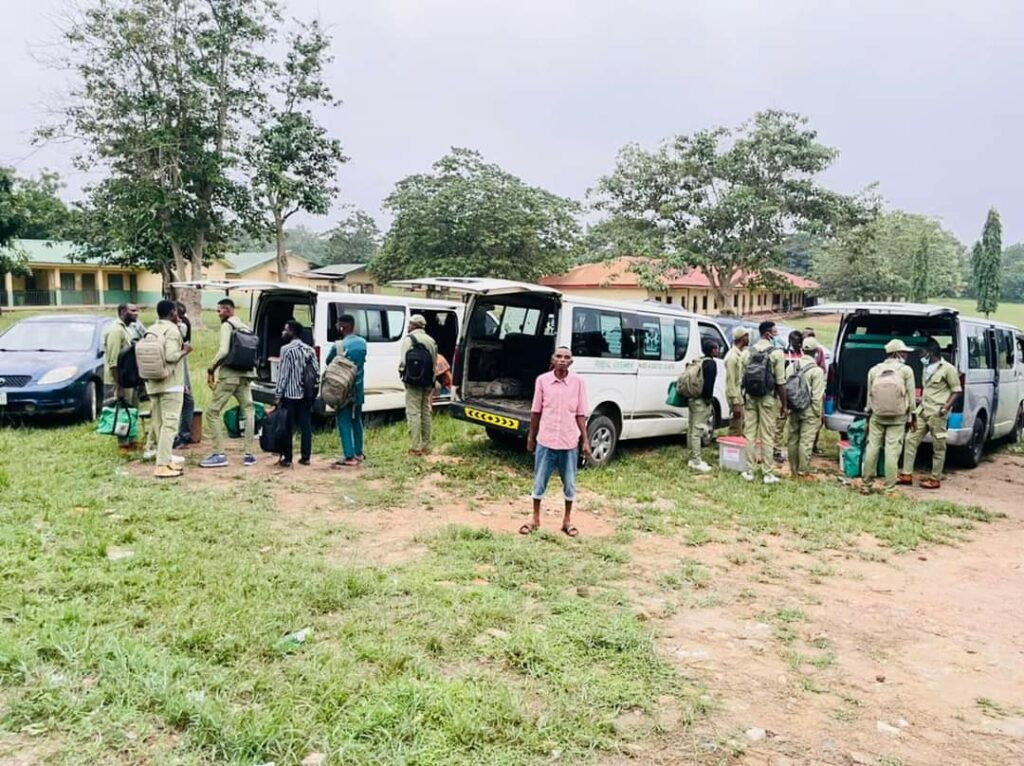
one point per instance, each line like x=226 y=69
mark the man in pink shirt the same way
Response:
x=558 y=428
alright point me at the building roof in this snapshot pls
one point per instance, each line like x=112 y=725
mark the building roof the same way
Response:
x=338 y=270
x=618 y=273
x=46 y=251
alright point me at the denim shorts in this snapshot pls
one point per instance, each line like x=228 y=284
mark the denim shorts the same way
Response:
x=546 y=461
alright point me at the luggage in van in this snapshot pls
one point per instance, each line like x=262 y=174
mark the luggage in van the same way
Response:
x=508 y=388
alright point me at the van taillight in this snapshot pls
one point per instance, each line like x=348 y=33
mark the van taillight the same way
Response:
x=316 y=350
x=832 y=373
x=457 y=365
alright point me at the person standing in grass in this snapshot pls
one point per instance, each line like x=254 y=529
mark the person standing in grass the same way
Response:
x=296 y=356
x=119 y=336
x=558 y=431
x=793 y=355
x=733 y=378
x=417 y=360
x=819 y=359
x=804 y=424
x=890 y=407
x=764 y=372
x=941 y=389
x=228 y=383
x=188 y=405
x=165 y=395
x=349 y=419
x=701 y=408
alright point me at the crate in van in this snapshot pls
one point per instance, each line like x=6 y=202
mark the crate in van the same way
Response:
x=988 y=355
x=626 y=352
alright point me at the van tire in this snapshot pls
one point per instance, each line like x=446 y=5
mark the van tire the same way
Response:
x=502 y=437
x=973 y=451
x=1018 y=427
x=603 y=435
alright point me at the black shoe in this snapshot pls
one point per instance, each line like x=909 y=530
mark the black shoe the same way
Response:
x=284 y=463
x=304 y=461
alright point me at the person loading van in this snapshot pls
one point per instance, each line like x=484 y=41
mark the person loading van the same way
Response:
x=890 y=405
x=941 y=384
x=417 y=358
x=764 y=375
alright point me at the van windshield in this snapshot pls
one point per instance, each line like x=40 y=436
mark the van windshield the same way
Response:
x=863 y=346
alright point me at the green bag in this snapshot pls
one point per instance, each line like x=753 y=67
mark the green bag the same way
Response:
x=120 y=420
x=857 y=432
x=852 y=457
x=673 y=399
x=233 y=419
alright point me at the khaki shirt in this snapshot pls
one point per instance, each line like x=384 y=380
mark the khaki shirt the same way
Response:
x=117 y=338
x=223 y=346
x=908 y=380
x=421 y=336
x=815 y=378
x=173 y=354
x=734 y=375
x=777 y=359
x=943 y=382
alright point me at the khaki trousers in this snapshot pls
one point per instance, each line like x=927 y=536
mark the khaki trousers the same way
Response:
x=935 y=424
x=890 y=435
x=700 y=412
x=803 y=430
x=164 y=417
x=761 y=417
x=418 y=414
x=241 y=390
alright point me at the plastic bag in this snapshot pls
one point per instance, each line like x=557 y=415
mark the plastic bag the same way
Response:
x=120 y=420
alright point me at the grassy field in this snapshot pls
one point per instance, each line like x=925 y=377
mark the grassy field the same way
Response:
x=195 y=622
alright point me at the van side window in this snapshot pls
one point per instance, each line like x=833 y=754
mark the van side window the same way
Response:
x=377 y=324
x=710 y=332
x=682 y=339
x=978 y=351
x=668 y=340
x=1005 y=350
x=597 y=333
x=642 y=337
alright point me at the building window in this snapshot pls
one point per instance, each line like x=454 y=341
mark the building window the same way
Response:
x=115 y=281
x=704 y=303
x=668 y=299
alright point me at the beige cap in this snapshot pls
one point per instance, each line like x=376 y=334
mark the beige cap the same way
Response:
x=811 y=344
x=896 y=346
x=418 y=319
x=739 y=332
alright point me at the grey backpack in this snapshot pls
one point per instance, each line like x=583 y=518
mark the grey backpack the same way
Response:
x=798 y=390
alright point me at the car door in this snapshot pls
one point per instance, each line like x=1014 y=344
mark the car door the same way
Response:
x=1007 y=369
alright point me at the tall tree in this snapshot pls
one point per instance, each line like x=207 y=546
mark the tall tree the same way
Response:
x=356 y=239
x=294 y=162
x=723 y=200
x=919 y=271
x=471 y=218
x=44 y=213
x=164 y=92
x=12 y=220
x=1013 y=274
x=988 y=263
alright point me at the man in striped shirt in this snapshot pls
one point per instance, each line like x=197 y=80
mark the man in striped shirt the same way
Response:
x=291 y=392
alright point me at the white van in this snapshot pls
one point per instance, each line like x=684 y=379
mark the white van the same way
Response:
x=627 y=353
x=380 y=319
x=989 y=356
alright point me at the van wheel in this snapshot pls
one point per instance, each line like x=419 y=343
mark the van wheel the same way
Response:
x=503 y=438
x=88 y=408
x=604 y=436
x=1018 y=427
x=973 y=451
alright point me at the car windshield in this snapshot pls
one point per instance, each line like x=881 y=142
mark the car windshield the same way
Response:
x=48 y=336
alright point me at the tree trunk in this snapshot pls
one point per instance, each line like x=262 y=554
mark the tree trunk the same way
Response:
x=193 y=297
x=282 y=254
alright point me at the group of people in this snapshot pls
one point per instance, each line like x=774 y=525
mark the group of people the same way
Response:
x=172 y=404
x=761 y=414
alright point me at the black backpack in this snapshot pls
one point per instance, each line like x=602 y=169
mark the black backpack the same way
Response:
x=274 y=434
x=419 y=366
x=759 y=378
x=243 y=350
x=310 y=376
x=128 y=368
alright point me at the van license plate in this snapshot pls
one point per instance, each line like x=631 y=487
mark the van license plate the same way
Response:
x=3 y=398
x=492 y=420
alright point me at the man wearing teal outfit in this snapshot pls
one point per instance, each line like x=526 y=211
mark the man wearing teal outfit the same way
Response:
x=349 y=418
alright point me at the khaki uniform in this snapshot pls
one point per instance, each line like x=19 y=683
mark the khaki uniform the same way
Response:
x=230 y=383
x=761 y=413
x=930 y=419
x=118 y=337
x=803 y=426
x=734 y=388
x=887 y=431
x=418 y=412
x=166 y=395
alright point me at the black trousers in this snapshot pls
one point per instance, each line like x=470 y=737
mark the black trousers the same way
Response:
x=300 y=413
x=188 y=408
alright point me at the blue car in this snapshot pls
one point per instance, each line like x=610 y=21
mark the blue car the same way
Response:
x=53 y=365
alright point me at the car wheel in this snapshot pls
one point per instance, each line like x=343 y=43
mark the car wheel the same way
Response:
x=973 y=451
x=502 y=437
x=603 y=436
x=1018 y=427
x=88 y=408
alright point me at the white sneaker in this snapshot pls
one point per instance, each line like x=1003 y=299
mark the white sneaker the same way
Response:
x=700 y=466
x=747 y=476
x=177 y=460
x=771 y=478
x=149 y=454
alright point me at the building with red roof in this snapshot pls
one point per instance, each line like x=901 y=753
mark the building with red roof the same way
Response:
x=691 y=289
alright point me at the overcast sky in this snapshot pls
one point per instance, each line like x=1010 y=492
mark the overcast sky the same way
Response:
x=923 y=96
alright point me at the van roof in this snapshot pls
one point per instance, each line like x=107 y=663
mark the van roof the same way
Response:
x=648 y=307
x=907 y=309
x=387 y=300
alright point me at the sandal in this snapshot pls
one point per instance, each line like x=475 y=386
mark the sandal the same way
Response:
x=528 y=529
x=570 y=530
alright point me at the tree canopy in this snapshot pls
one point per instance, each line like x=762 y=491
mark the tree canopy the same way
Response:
x=878 y=260
x=471 y=218
x=724 y=199
x=356 y=239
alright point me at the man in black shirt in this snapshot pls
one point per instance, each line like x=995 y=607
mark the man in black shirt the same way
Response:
x=702 y=408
